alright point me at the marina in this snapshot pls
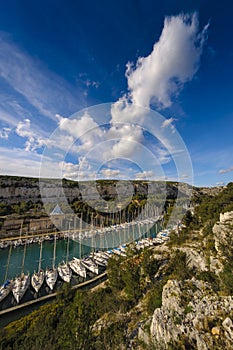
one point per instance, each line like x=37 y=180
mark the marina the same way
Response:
x=74 y=259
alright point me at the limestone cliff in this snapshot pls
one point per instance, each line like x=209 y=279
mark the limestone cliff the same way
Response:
x=194 y=313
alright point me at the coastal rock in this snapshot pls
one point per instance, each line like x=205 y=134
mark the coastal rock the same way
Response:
x=191 y=312
x=223 y=233
x=228 y=326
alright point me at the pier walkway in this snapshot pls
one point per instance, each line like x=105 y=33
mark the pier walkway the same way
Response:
x=90 y=283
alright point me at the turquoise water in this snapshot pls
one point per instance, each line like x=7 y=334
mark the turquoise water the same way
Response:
x=110 y=239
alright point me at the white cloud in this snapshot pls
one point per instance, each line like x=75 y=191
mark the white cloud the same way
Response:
x=84 y=128
x=19 y=162
x=221 y=183
x=168 y=122
x=34 y=141
x=156 y=78
x=4 y=133
x=145 y=175
x=110 y=173
x=43 y=89
x=69 y=170
x=224 y=171
x=173 y=61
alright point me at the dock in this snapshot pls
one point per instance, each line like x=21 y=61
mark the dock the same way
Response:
x=83 y=285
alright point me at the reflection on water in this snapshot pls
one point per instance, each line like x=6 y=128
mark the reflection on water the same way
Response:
x=109 y=239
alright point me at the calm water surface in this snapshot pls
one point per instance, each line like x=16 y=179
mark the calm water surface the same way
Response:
x=110 y=239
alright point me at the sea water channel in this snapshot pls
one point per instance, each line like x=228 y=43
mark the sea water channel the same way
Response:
x=109 y=239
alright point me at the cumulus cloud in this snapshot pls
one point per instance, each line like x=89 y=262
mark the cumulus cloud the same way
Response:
x=145 y=175
x=224 y=171
x=19 y=162
x=69 y=170
x=221 y=183
x=153 y=80
x=168 y=122
x=34 y=141
x=4 y=133
x=84 y=128
x=110 y=173
x=173 y=61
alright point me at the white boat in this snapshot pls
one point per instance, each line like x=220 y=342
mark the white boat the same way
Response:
x=118 y=251
x=77 y=267
x=4 y=244
x=20 y=286
x=37 y=278
x=89 y=264
x=51 y=272
x=51 y=277
x=8 y=284
x=5 y=289
x=63 y=268
x=99 y=260
x=64 y=272
x=108 y=254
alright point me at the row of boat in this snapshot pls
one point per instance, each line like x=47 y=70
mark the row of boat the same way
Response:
x=87 y=234
x=20 y=284
x=80 y=234
x=92 y=263
x=22 y=241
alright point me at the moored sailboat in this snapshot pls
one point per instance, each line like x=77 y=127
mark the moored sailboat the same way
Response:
x=20 y=286
x=5 y=289
x=37 y=278
x=99 y=259
x=63 y=268
x=77 y=267
x=21 y=283
x=89 y=264
x=8 y=284
x=51 y=272
x=64 y=272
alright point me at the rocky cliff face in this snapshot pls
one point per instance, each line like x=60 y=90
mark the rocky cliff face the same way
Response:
x=192 y=314
x=17 y=189
x=223 y=233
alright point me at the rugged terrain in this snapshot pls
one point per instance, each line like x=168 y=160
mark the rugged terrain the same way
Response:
x=176 y=296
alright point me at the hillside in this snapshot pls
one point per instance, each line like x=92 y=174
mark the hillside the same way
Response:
x=21 y=205
x=14 y=189
x=176 y=296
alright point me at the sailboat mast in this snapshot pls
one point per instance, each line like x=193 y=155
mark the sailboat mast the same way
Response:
x=8 y=263
x=80 y=236
x=67 y=248
x=54 y=251
x=24 y=253
x=20 y=232
x=92 y=233
x=39 y=266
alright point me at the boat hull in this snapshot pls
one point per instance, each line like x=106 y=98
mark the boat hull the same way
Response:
x=37 y=280
x=5 y=290
x=64 y=272
x=78 y=268
x=20 y=286
x=89 y=264
x=51 y=277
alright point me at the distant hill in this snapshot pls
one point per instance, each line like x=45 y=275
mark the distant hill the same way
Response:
x=14 y=189
x=21 y=198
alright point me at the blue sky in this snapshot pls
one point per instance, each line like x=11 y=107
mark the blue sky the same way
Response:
x=57 y=58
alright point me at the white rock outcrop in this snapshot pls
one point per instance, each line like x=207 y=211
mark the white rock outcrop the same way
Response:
x=189 y=311
x=223 y=233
